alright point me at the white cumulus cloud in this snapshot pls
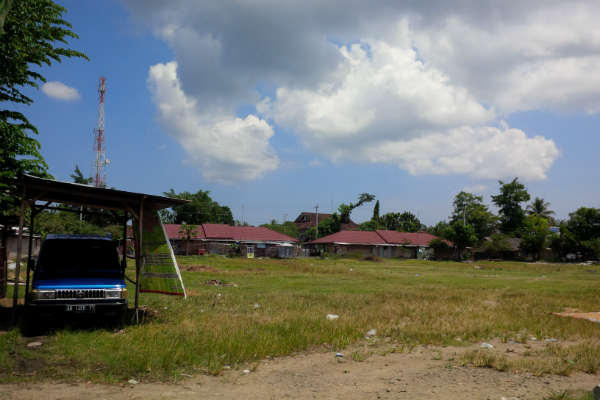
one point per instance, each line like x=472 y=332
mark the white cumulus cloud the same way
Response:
x=60 y=91
x=417 y=84
x=226 y=148
x=386 y=106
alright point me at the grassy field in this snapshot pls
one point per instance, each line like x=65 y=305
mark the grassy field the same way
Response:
x=279 y=307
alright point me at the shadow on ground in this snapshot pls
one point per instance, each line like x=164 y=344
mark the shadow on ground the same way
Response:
x=43 y=325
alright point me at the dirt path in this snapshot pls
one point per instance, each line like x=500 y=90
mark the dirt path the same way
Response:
x=423 y=373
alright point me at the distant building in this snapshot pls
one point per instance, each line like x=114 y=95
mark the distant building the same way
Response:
x=381 y=243
x=226 y=239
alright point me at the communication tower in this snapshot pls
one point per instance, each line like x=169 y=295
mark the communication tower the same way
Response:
x=101 y=161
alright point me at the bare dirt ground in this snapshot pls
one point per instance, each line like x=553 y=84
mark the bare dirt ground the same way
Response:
x=423 y=373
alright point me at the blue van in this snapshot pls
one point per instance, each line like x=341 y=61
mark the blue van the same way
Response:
x=78 y=274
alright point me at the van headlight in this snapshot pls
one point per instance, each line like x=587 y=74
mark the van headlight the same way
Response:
x=115 y=293
x=37 y=294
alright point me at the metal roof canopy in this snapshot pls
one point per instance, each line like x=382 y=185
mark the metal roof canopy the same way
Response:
x=36 y=189
x=40 y=189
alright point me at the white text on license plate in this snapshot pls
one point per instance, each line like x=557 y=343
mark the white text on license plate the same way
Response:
x=81 y=307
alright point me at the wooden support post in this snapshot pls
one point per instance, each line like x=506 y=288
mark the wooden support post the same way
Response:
x=124 y=254
x=139 y=260
x=18 y=264
x=29 y=251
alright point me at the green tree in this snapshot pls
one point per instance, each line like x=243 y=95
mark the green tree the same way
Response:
x=497 y=245
x=287 y=228
x=404 y=222
x=470 y=209
x=375 y=216
x=4 y=7
x=167 y=216
x=78 y=177
x=509 y=202
x=200 y=210
x=534 y=235
x=463 y=236
x=584 y=225
x=328 y=226
x=441 y=229
x=30 y=31
x=346 y=209
x=371 y=225
x=439 y=246
x=540 y=208
x=63 y=222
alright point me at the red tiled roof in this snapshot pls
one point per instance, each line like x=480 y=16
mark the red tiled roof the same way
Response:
x=351 y=237
x=260 y=233
x=227 y=232
x=410 y=238
x=379 y=237
x=174 y=232
x=218 y=231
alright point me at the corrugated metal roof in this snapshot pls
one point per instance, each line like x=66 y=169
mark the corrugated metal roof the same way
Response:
x=227 y=232
x=174 y=232
x=352 y=237
x=379 y=237
x=410 y=238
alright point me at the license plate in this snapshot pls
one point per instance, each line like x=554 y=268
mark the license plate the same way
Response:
x=81 y=307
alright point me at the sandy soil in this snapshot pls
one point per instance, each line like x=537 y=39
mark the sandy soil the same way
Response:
x=424 y=373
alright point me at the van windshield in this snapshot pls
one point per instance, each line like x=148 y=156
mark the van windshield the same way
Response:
x=78 y=258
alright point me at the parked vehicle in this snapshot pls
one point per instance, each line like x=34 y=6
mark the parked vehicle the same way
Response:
x=77 y=274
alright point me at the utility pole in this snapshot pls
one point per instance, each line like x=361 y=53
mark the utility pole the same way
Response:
x=317 y=222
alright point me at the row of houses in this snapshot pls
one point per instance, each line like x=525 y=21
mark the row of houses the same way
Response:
x=230 y=240
x=264 y=242
x=380 y=243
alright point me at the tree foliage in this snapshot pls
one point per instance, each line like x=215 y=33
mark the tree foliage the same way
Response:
x=497 y=245
x=375 y=216
x=287 y=228
x=540 y=208
x=200 y=210
x=371 y=225
x=403 y=222
x=31 y=30
x=534 y=235
x=579 y=235
x=62 y=222
x=442 y=229
x=470 y=209
x=509 y=201
x=78 y=177
x=462 y=235
x=346 y=209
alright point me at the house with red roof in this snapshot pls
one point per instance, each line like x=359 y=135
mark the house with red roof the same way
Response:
x=226 y=239
x=381 y=243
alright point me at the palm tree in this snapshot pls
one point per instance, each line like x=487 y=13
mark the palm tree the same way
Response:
x=540 y=208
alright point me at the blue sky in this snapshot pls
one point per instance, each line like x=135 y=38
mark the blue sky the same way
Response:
x=258 y=104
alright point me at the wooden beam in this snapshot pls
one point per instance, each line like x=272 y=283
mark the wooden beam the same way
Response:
x=18 y=265
x=139 y=260
x=29 y=251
